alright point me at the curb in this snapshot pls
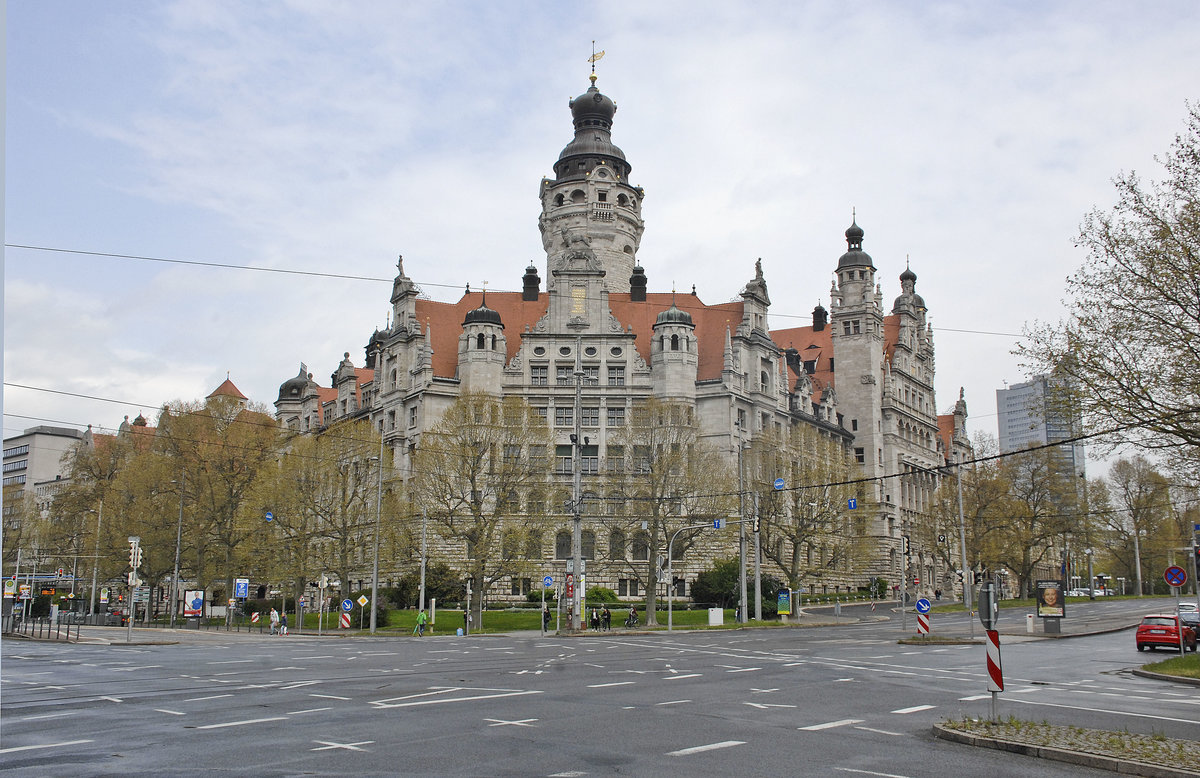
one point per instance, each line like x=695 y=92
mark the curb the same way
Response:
x=1123 y=766
x=1164 y=677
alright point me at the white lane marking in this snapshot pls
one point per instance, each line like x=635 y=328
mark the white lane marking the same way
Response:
x=51 y=715
x=309 y=710
x=572 y=774
x=762 y=691
x=503 y=723
x=322 y=656
x=672 y=702
x=242 y=723
x=744 y=670
x=830 y=725
x=869 y=772
x=915 y=709
x=213 y=697
x=843 y=680
x=435 y=701
x=298 y=684
x=231 y=662
x=44 y=745
x=881 y=731
x=765 y=705
x=677 y=677
x=615 y=683
x=974 y=697
x=326 y=745
x=172 y=712
x=329 y=696
x=709 y=747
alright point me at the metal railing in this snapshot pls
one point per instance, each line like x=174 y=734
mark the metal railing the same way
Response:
x=41 y=628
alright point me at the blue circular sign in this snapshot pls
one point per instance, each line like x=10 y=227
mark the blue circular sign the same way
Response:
x=347 y=605
x=778 y=484
x=547 y=581
x=1175 y=575
x=923 y=605
x=270 y=515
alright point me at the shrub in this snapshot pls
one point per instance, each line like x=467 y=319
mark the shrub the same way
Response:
x=601 y=594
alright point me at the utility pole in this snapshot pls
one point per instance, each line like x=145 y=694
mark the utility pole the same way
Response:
x=95 y=559
x=178 y=542
x=742 y=600
x=421 y=598
x=378 y=522
x=577 y=491
x=757 y=560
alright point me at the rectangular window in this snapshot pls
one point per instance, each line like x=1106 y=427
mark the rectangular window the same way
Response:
x=589 y=417
x=16 y=451
x=590 y=460
x=562 y=460
x=628 y=587
x=856 y=326
x=616 y=375
x=641 y=459
x=845 y=328
x=512 y=454
x=564 y=417
x=539 y=375
x=520 y=586
x=860 y=456
x=616 y=416
x=537 y=457
x=541 y=412
x=615 y=459
x=564 y=375
x=591 y=375
x=391 y=420
x=854 y=425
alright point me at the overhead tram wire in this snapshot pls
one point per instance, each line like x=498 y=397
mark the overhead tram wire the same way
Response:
x=682 y=304
x=632 y=498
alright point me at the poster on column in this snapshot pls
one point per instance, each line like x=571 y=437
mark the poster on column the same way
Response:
x=193 y=603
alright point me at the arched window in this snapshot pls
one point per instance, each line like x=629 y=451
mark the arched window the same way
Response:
x=533 y=545
x=674 y=342
x=587 y=544
x=493 y=343
x=578 y=196
x=616 y=544
x=479 y=341
x=641 y=547
x=559 y=200
x=562 y=544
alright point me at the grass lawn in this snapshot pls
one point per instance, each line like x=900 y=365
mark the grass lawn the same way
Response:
x=448 y=621
x=1183 y=666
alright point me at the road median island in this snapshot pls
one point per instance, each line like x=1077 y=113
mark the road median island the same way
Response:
x=1121 y=752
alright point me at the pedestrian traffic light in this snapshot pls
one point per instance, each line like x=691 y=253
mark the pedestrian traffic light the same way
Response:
x=756 y=520
x=960 y=575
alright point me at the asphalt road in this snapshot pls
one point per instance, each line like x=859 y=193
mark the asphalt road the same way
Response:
x=839 y=700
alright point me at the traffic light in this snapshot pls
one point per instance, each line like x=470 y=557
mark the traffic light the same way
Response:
x=907 y=547
x=979 y=578
x=135 y=557
x=755 y=525
x=960 y=575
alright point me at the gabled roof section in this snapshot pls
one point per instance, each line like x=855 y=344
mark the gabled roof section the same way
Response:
x=446 y=320
x=814 y=346
x=710 y=322
x=227 y=389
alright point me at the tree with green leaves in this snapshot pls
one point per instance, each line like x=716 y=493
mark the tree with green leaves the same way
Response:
x=1139 y=526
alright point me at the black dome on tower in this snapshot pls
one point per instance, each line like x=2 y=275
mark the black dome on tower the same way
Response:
x=855 y=256
x=592 y=113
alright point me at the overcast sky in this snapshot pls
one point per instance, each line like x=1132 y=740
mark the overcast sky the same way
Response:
x=329 y=137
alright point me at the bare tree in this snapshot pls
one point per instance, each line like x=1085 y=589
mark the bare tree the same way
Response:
x=1128 y=350
x=470 y=473
x=1140 y=520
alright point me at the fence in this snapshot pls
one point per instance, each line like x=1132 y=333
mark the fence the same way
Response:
x=41 y=628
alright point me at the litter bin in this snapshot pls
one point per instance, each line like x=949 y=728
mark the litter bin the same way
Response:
x=1029 y=623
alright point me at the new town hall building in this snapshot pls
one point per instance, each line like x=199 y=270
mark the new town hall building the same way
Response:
x=857 y=375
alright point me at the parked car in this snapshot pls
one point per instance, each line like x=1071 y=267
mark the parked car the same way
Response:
x=1078 y=593
x=1190 y=619
x=1160 y=629
x=1189 y=606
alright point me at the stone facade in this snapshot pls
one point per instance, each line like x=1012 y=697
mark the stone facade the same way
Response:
x=858 y=376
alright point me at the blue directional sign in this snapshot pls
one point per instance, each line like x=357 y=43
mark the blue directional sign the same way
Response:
x=923 y=605
x=548 y=581
x=778 y=484
x=718 y=523
x=852 y=503
x=347 y=605
x=270 y=515
x=241 y=587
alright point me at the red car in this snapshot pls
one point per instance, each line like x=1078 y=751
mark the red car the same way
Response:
x=1163 y=630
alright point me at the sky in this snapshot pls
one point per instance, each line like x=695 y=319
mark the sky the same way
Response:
x=969 y=140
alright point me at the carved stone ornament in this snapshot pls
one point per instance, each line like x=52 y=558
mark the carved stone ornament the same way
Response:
x=867 y=379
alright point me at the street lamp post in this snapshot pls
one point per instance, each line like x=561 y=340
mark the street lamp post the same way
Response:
x=178 y=543
x=378 y=515
x=96 y=559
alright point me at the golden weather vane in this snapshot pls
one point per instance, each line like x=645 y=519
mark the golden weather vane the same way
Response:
x=596 y=57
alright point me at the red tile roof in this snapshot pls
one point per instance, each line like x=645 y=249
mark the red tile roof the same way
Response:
x=227 y=389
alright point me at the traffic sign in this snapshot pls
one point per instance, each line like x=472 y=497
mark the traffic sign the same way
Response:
x=347 y=605
x=995 y=673
x=852 y=503
x=303 y=602
x=548 y=581
x=718 y=523
x=241 y=587
x=778 y=484
x=254 y=617
x=363 y=600
x=922 y=623
x=1175 y=575
x=923 y=605
x=270 y=516
x=344 y=620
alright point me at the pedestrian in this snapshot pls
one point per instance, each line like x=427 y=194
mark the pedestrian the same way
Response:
x=546 y=619
x=274 y=621
x=422 y=617
x=937 y=594
x=606 y=618
x=283 y=624
x=595 y=620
